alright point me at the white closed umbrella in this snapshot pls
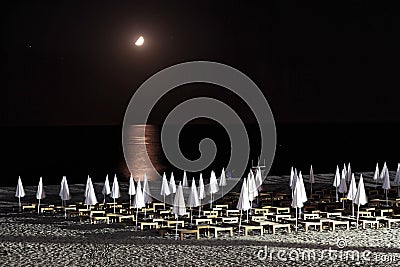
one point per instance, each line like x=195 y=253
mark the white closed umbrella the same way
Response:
x=382 y=175
x=244 y=202
x=293 y=179
x=106 y=189
x=303 y=193
x=348 y=176
x=64 y=191
x=165 y=190
x=172 y=186
x=336 y=182
x=386 y=183
x=376 y=175
x=138 y=202
x=396 y=181
x=343 y=185
x=193 y=200
x=352 y=192
x=251 y=186
x=202 y=192
x=115 y=193
x=213 y=186
x=90 y=197
x=64 y=194
x=131 y=190
x=361 y=197
x=312 y=178
x=20 y=192
x=40 y=194
x=146 y=192
x=179 y=207
x=184 y=180
x=258 y=179
x=222 y=181
x=297 y=200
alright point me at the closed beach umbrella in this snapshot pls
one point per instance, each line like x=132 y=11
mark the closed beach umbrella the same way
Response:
x=251 y=186
x=131 y=190
x=138 y=202
x=64 y=190
x=184 y=180
x=386 y=183
x=396 y=181
x=297 y=200
x=213 y=186
x=352 y=192
x=376 y=175
x=202 y=192
x=106 y=189
x=90 y=194
x=361 y=197
x=348 y=176
x=259 y=180
x=382 y=175
x=244 y=202
x=40 y=194
x=336 y=182
x=20 y=192
x=172 y=185
x=303 y=193
x=343 y=186
x=115 y=193
x=165 y=191
x=312 y=178
x=179 y=207
x=193 y=200
x=64 y=193
x=222 y=181
x=146 y=190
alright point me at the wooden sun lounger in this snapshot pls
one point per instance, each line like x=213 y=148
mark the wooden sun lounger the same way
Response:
x=252 y=227
x=95 y=219
x=183 y=232
x=307 y=224
x=217 y=229
x=151 y=225
x=389 y=221
x=273 y=226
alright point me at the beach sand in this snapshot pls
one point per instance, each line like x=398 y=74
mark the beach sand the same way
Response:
x=27 y=239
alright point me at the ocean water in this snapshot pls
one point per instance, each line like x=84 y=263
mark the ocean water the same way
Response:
x=78 y=151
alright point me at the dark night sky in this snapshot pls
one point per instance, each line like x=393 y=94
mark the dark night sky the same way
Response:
x=73 y=62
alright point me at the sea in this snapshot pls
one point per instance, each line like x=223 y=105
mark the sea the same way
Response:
x=79 y=151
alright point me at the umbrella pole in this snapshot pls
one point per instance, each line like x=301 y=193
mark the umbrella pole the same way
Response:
x=352 y=209
x=386 y=197
x=200 y=209
x=343 y=201
x=176 y=228
x=136 y=217
x=164 y=201
x=114 y=205
x=240 y=220
x=19 y=204
x=130 y=200
x=211 y=200
x=311 y=188
x=358 y=214
x=247 y=218
x=337 y=200
x=104 y=198
x=191 y=218
x=296 y=220
x=38 y=208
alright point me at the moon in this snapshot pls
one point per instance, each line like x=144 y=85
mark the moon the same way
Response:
x=139 y=41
